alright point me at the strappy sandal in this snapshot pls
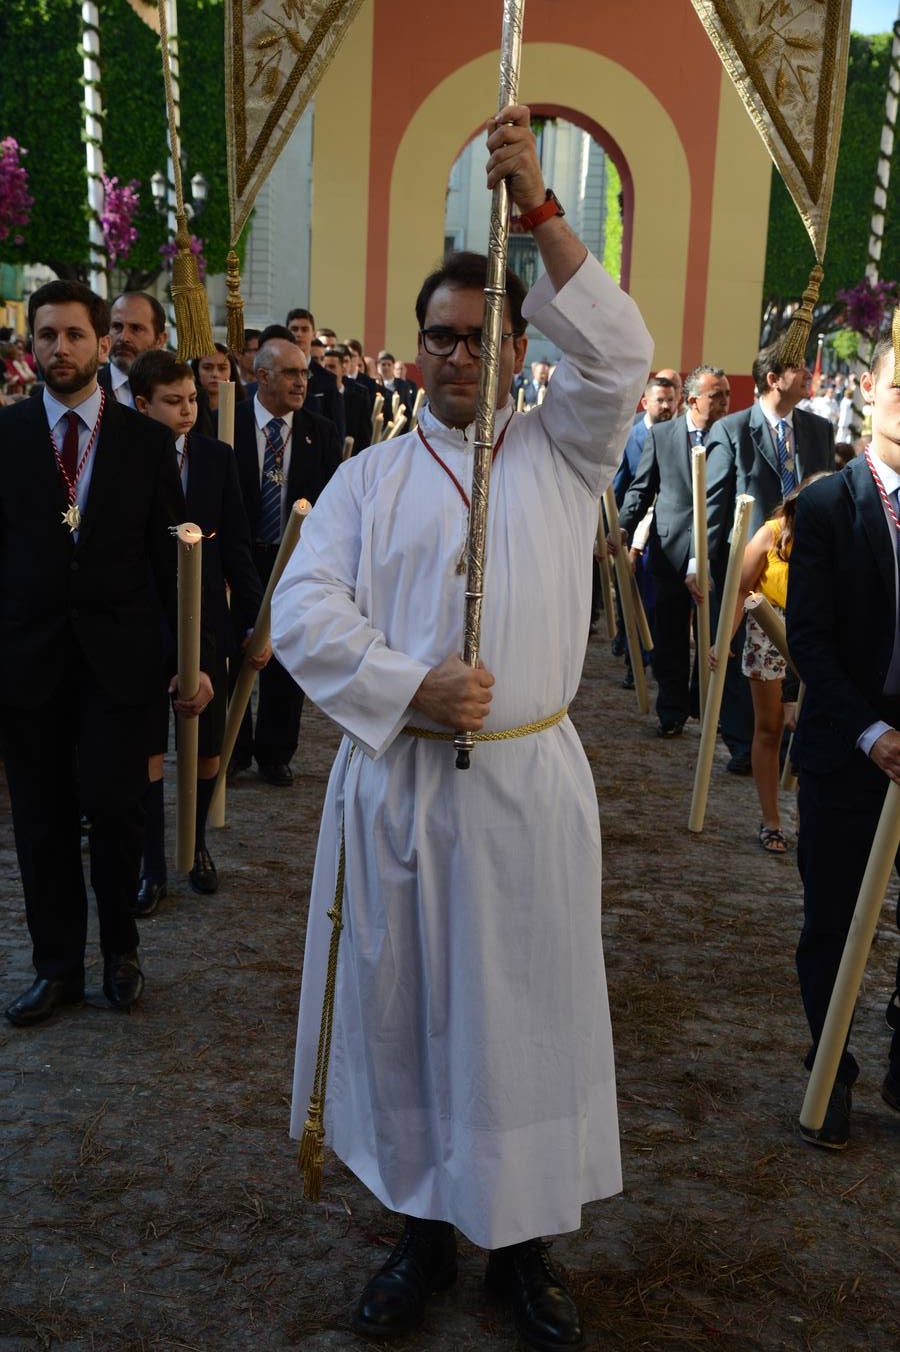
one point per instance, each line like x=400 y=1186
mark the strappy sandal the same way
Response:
x=771 y=838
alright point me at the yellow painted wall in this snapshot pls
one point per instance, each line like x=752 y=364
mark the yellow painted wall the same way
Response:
x=340 y=208
x=599 y=89
x=737 y=247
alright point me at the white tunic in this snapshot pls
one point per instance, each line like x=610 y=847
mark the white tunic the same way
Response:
x=472 y=1075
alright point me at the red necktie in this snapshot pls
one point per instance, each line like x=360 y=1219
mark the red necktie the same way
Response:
x=70 y=446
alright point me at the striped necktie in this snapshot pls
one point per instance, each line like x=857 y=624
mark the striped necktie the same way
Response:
x=696 y=437
x=785 y=460
x=270 y=489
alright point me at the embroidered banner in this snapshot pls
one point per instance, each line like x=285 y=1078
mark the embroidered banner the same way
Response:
x=788 y=61
x=276 y=52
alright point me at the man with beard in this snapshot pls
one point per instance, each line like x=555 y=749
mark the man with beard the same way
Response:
x=137 y=323
x=88 y=493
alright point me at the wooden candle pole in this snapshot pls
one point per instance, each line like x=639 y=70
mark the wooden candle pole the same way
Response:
x=717 y=678
x=605 y=576
x=243 y=689
x=225 y=432
x=626 y=600
x=190 y=538
x=698 y=481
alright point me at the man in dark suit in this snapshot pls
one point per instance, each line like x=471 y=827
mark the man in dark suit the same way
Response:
x=390 y=384
x=88 y=493
x=664 y=477
x=357 y=411
x=357 y=373
x=764 y=450
x=279 y=445
x=321 y=389
x=137 y=324
x=842 y=629
x=164 y=389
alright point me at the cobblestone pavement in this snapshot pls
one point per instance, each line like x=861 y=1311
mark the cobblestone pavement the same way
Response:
x=149 y=1193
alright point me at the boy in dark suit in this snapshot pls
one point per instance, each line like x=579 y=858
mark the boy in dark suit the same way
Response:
x=164 y=389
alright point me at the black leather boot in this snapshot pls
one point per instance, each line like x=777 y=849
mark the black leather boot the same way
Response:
x=546 y=1315
x=423 y=1261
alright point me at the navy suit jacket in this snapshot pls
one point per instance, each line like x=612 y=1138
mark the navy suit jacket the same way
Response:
x=664 y=474
x=841 y=615
x=100 y=594
x=315 y=455
x=741 y=458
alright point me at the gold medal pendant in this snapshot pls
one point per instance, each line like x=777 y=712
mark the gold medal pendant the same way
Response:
x=72 y=517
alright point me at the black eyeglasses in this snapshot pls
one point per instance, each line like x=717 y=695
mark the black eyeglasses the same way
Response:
x=443 y=343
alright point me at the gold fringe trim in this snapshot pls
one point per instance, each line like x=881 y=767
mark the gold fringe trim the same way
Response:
x=792 y=346
x=524 y=730
x=311 y=1155
x=235 y=303
x=895 y=336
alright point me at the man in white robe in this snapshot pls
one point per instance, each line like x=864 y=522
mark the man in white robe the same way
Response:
x=471 y=1079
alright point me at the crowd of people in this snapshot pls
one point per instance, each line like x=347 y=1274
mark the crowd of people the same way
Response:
x=453 y=966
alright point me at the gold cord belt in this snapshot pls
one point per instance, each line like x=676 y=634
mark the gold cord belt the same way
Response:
x=524 y=730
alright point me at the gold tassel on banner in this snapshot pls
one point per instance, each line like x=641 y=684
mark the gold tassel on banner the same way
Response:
x=195 y=337
x=235 y=304
x=792 y=346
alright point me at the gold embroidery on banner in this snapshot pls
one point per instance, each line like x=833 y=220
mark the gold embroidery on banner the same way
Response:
x=259 y=40
x=787 y=61
x=787 y=44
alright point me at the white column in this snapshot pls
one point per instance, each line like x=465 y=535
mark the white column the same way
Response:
x=93 y=134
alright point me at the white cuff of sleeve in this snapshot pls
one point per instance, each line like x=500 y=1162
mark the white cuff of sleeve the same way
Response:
x=867 y=739
x=691 y=568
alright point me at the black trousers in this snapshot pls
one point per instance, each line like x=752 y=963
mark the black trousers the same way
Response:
x=677 y=697
x=80 y=753
x=736 y=714
x=838 y=817
x=280 y=703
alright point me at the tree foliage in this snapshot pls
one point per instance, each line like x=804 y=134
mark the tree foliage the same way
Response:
x=789 y=254
x=40 y=105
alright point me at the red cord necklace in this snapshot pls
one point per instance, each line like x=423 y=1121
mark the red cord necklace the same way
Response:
x=71 y=517
x=461 y=562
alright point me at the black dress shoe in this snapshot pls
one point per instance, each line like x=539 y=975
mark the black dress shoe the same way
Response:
x=150 y=894
x=123 y=980
x=279 y=775
x=739 y=765
x=44 y=996
x=546 y=1315
x=671 y=728
x=834 y=1132
x=890 y=1091
x=203 y=877
x=423 y=1261
x=628 y=681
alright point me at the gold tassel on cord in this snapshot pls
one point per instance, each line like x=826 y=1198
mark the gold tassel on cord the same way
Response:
x=792 y=346
x=895 y=336
x=195 y=337
x=235 y=304
x=312 y=1143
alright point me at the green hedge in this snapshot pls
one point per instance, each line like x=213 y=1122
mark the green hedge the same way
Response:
x=40 y=105
x=789 y=254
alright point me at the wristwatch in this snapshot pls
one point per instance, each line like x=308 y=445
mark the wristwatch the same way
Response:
x=551 y=206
